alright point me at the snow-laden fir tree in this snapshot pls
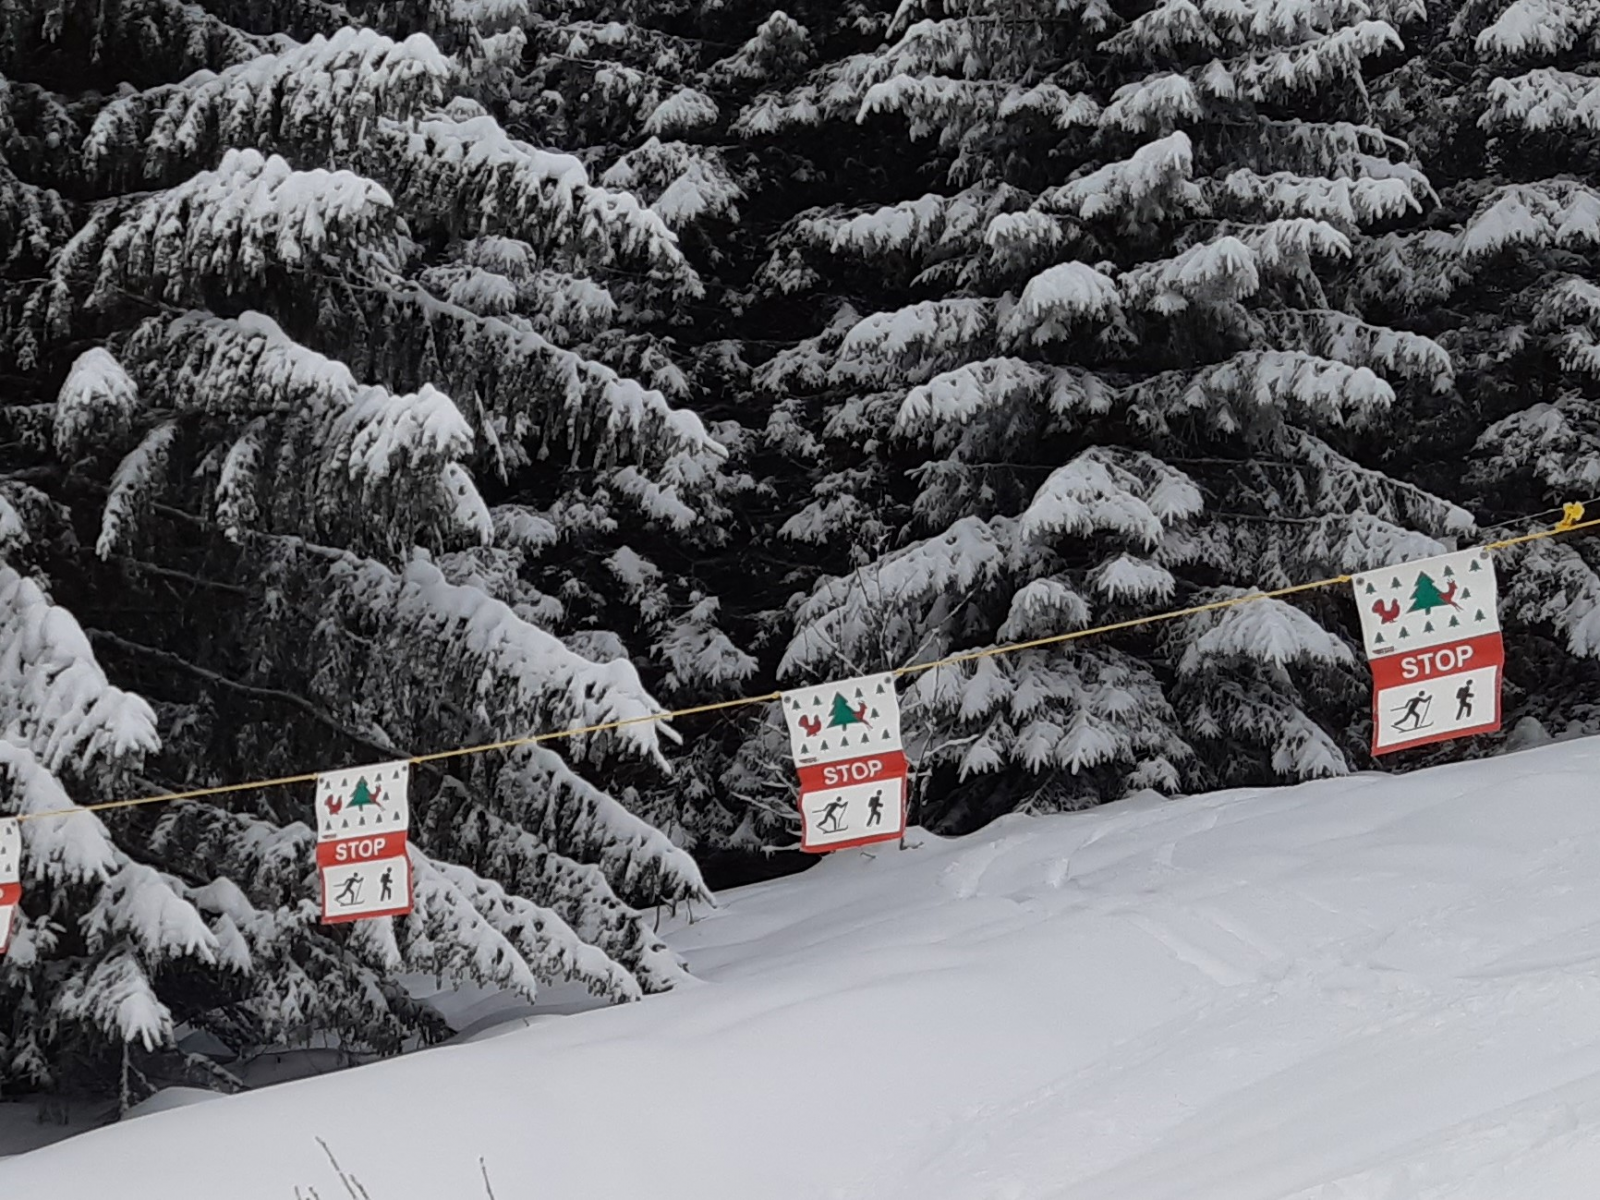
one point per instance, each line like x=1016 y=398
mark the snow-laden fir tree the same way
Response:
x=1506 y=275
x=306 y=426
x=1107 y=368
x=648 y=92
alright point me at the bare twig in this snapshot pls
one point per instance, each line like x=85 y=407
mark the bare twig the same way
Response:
x=352 y=1185
x=273 y=695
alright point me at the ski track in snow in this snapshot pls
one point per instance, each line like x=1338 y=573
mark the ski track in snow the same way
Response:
x=1378 y=988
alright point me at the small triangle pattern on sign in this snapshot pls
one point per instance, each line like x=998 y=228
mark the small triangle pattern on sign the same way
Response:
x=363 y=799
x=1426 y=602
x=10 y=850
x=842 y=719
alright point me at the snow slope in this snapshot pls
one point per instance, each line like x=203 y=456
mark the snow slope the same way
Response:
x=1369 y=989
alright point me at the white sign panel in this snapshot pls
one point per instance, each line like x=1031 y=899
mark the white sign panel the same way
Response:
x=373 y=887
x=1448 y=598
x=10 y=877
x=853 y=814
x=1436 y=709
x=848 y=719
x=363 y=816
x=363 y=800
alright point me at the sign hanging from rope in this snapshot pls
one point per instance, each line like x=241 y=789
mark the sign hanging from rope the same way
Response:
x=10 y=877
x=363 y=815
x=1432 y=634
x=846 y=742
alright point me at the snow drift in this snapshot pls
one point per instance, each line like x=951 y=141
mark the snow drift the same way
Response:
x=1369 y=987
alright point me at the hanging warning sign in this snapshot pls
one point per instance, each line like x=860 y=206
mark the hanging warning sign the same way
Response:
x=1432 y=634
x=363 y=815
x=10 y=877
x=853 y=770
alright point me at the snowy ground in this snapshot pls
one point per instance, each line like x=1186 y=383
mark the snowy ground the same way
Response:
x=1370 y=989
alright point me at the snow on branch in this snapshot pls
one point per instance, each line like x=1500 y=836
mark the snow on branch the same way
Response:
x=1264 y=630
x=1555 y=584
x=1170 y=31
x=1059 y=300
x=681 y=183
x=881 y=615
x=496 y=276
x=1330 y=61
x=1258 y=391
x=1545 y=99
x=915 y=342
x=139 y=478
x=576 y=892
x=1542 y=28
x=958 y=397
x=96 y=404
x=223 y=232
x=779 y=44
x=538 y=936
x=1345 y=486
x=1345 y=203
x=68 y=847
x=538 y=393
x=518 y=677
x=138 y=904
x=1108 y=490
x=1214 y=272
x=1266 y=713
x=318 y=100
x=1553 y=212
x=1154 y=105
x=326 y=453
x=475 y=179
x=542 y=794
x=1329 y=333
x=685 y=110
x=33 y=220
x=1154 y=184
x=54 y=698
x=1558 y=444
x=960 y=110
x=117 y=997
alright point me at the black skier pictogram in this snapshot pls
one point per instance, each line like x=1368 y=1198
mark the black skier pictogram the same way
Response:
x=830 y=822
x=349 y=892
x=1415 y=711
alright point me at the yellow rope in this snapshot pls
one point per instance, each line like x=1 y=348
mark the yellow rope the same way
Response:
x=1570 y=523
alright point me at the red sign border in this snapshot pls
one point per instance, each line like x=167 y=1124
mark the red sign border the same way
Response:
x=1497 y=660
x=8 y=924
x=346 y=919
x=901 y=770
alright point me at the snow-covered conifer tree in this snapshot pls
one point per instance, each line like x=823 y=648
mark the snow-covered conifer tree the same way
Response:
x=1504 y=277
x=1108 y=368
x=316 y=405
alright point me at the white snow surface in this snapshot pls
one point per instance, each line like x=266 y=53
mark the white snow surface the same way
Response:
x=1376 y=986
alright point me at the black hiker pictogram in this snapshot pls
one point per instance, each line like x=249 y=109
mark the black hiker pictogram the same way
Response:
x=1464 y=700
x=386 y=880
x=875 y=808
